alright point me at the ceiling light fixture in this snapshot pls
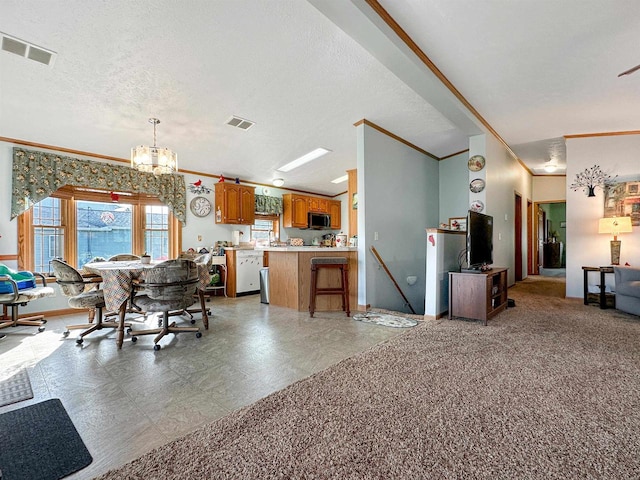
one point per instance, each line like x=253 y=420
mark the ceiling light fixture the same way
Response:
x=156 y=160
x=317 y=153
x=550 y=167
x=341 y=179
x=278 y=182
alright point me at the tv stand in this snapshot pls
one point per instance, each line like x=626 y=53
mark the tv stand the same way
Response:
x=476 y=270
x=477 y=295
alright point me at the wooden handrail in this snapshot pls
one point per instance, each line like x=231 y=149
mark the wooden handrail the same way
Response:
x=377 y=255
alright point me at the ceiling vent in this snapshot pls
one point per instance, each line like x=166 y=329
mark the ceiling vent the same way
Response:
x=27 y=50
x=240 y=123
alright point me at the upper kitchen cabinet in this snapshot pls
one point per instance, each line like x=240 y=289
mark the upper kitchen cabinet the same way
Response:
x=318 y=205
x=295 y=210
x=237 y=203
x=335 y=210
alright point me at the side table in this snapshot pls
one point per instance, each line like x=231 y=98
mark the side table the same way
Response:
x=603 y=295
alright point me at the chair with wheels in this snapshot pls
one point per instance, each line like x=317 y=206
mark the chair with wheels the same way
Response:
x=123 y=257
x=20 y=297
x=83 y=293
x=168 y=286
x=203 y=262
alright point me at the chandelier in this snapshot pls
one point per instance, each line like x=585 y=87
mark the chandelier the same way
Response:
x=156 y=160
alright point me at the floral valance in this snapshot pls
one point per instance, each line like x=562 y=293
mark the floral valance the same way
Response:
x=36 y=175
x=268 y=205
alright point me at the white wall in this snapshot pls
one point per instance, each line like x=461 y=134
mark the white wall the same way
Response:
x=397 y=198
x=454 y=185
x=504 y=177
x=548 y=188
x=616 y=155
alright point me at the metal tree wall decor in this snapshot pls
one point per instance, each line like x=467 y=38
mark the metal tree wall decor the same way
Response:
x=590 y=179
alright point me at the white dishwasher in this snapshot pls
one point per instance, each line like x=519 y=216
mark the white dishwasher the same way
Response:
x=248 y=265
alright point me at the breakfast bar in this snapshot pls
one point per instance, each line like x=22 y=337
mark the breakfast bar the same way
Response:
x=290 y=277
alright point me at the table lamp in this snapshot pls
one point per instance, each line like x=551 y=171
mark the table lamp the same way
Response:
x=614 y=226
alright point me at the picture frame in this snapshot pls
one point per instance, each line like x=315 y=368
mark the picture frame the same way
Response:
x=458 y=223
x=621 y=199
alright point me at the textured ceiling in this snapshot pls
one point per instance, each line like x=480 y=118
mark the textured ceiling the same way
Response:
x=536 y=70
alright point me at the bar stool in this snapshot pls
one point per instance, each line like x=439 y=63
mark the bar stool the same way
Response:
x=329 y=262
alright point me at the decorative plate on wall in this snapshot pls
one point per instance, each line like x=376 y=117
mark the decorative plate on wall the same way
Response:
x=476 y=185
x=476 y=163
x=477 y=206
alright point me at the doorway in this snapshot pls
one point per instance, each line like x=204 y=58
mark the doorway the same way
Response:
x=518 y=237
x=550 y=238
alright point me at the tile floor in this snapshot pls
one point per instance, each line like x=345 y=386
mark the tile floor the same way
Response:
x=124 y=403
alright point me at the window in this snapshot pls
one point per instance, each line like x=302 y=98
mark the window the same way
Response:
x=102 y=230
x=265 y=229
x=156 y=232
x=48 y=233
x=78 y=224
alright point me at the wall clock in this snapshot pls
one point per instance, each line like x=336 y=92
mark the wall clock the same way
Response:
x=200 y=206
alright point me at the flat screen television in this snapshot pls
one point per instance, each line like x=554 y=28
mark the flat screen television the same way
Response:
x=479 y=241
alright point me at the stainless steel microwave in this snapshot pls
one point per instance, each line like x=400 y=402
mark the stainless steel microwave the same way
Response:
x=319 y=221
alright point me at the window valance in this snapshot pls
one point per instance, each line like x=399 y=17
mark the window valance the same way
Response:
x=36 y=175
x=268 y=205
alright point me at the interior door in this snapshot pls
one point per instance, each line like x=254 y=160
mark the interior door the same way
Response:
x=518 y=238
x=530 y=255
x=540 y=236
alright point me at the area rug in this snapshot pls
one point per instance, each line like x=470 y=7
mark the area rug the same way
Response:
x=14 y=387
x=40 y=442
x=385 y=319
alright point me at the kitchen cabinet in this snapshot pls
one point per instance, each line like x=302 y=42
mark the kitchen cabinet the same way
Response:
x=237 y=204
x=290 y=278
x=318 y=205
x=335 y=210
x=295 y=210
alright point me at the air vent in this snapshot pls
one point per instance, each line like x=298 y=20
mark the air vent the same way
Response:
x=27 y=50
x=240 y=123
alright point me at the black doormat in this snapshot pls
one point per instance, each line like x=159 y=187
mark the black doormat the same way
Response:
x=40 y=442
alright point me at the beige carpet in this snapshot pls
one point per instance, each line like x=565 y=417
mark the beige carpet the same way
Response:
x=549 y=389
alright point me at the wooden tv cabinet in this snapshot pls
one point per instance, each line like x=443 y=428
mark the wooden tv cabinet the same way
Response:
x=478 y=296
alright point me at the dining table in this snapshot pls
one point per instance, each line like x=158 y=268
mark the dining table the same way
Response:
x=118 y=278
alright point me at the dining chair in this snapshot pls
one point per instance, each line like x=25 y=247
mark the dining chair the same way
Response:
x=203 y=262
x=83 y=293
x=123 y=257
x=168 y=286
x=16 y=297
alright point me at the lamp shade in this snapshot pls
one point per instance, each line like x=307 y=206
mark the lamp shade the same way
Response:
x=614 y=225
x=156 y=160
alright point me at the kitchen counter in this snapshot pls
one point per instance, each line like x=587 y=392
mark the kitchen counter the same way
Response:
x=309 y=249
x=290 y=277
